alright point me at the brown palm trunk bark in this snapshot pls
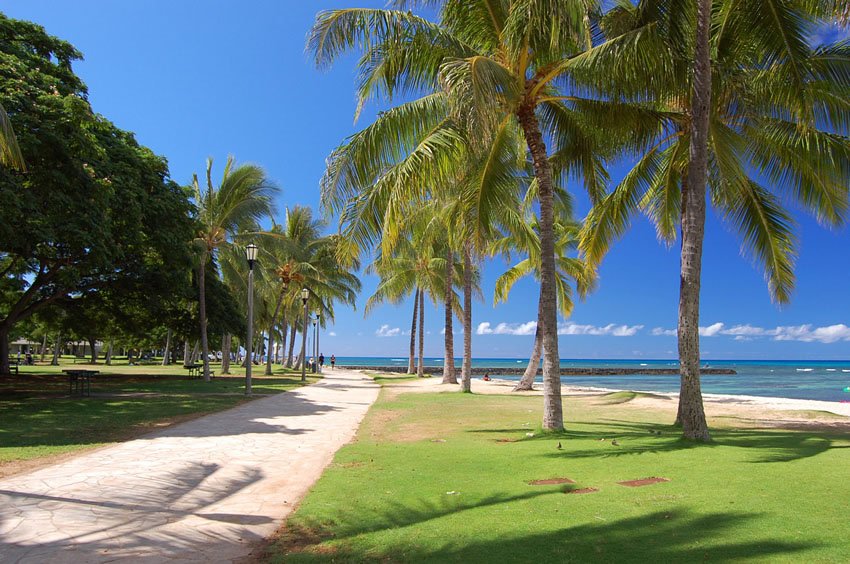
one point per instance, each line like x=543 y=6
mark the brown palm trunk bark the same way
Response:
x=420 y=369
x=292 y=333
x=466 y=369
x=691 y=414
x=526 y=383
x=553 y=412
x=411 y=364
x=271 y=330
x=227 y=340
x=282 y=348
x=449 y=373
x=202 y=309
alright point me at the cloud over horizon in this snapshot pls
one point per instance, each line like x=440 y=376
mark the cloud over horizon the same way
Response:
x=385 y=331
x=564 y=328
x=806 y=333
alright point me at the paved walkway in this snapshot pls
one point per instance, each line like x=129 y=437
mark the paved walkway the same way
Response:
x=206 y=490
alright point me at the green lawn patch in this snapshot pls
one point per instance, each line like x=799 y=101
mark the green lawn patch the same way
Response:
x=38 y=419
x=446 y=478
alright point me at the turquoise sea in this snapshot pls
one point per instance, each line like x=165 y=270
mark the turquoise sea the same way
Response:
x=796 y=379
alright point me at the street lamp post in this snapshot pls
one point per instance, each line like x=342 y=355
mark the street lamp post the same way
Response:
x=251 y=255
x=305 y=296
x=315 y=348
x=318 y=330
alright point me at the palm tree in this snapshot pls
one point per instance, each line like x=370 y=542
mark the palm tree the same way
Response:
x=749 y=109
x=10 y=153
x=490 y=68
x=570 y=270
x=243 y=197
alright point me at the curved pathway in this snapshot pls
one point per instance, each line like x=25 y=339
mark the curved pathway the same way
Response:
x=206 y=490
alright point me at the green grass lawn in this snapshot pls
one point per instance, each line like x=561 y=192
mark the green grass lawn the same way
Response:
x=38 y=419
x=444 y=478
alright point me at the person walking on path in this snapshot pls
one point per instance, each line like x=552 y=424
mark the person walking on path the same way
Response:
x=321 y=361
x=333 y=361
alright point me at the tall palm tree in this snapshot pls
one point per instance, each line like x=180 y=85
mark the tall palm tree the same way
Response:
x=491 y=68
x=242 y=198
x=570 y=270
x=736 y=102
x=10 y=152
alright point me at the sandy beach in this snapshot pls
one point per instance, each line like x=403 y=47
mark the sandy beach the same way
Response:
x=750 y=410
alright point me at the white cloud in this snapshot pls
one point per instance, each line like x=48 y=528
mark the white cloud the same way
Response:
x=385 y=331
x=806 y=333
x=570 y=328
x=332 y=334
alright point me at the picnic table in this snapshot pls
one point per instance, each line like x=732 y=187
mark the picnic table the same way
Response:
x=13 y=365
x=79 y=381
x=197 y=370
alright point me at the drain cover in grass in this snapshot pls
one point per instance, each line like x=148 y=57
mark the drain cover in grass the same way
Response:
x=582 y=491
x=551 y=482
x=643 y=482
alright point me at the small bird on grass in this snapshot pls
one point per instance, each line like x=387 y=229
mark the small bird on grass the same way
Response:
x=615 y=443
x=559 y=445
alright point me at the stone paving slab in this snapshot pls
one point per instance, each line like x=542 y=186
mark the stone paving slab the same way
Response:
x=206 y=490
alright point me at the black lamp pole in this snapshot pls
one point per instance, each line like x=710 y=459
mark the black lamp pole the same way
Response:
x=251 y=254
x=305 y=296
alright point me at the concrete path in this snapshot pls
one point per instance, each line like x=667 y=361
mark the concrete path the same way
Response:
x=204 y=491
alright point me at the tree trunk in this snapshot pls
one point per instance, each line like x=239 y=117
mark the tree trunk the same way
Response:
x=466 y=370
x=187 y=354
x=225 y=353
x=109 y=353
x=526 y=383
x=553 y=414
x=292 y=333
x=202 y=309
x=411 y=366
x=420 y=367
x=449 y=374
x=281 y=349
x=271 y=330
x=165 y=359
x=43 y=348
x=56 y=352
x=5 y=366
x=691 y=414
x=92 y=343
x=195 y=352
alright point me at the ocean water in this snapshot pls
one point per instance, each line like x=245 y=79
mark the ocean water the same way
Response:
x=796 y=379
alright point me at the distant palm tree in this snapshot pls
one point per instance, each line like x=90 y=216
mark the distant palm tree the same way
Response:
x=739 y=108
x=243 y=197
x=570 y=271
x=10 y=153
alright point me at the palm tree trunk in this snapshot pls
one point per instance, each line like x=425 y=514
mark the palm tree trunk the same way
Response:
x=271 y=330
x=553 y=411
x=282 y=348
x=92 y=343
x=411 y=367
x=165 y=359
x=225 y=353
x=43 y=347
x=466 y=370
x=420 y=369
x=449 y=375
x=526 y=383
x=292 y=333
x=691 y=414
x=202 y=308
x=109 y=350
x=195 y=352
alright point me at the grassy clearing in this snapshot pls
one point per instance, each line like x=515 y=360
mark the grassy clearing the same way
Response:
x=444 y=478
x=385 y=378
x=39 y=420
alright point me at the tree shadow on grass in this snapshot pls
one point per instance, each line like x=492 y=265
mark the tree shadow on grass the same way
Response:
x=665 y=536
x=637 y=438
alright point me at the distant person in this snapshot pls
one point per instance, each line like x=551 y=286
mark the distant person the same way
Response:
x=321 y=361
x=486 y=377
x=311 y=363
x=333 y=361
x=29 y=361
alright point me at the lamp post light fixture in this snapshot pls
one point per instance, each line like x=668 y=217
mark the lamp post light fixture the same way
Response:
x=318 y=330
x=305 y=297
x=251 y=255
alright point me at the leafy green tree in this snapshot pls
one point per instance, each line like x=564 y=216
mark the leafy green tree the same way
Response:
x=737 y=107
x=93 y=205
x=10 y=152
x=242 y=198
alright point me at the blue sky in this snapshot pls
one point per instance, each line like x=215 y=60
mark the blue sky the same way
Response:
x=206 y=78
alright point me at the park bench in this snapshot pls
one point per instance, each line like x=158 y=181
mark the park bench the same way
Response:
x=13 y=365
x=79 y=381
x=197 y=370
